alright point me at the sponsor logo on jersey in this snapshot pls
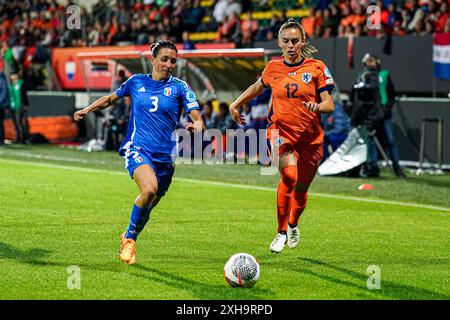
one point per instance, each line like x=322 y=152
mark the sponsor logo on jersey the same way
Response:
x=141 y=89
x=306 y=77
x=192 y=105
x=328 y=81
x=138 y=160
x=292 y=73
x=167 y=91
x=327 y=72
x=190 y=96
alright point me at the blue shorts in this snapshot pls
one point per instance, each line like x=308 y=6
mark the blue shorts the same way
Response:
x=163 y=170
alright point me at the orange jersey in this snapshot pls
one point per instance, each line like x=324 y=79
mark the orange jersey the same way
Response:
x=291 y=86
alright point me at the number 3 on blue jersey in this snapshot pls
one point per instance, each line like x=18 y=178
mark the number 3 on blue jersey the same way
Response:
x=155 y=104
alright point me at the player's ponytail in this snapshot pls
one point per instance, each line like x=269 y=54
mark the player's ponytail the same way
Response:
x=307 y=50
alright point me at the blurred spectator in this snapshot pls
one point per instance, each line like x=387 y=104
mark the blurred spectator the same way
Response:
x=223 y=119
x=176 y=29
x=122 y=35
x=4 y=104
x=101 y=10
x=249 y=29
x=420 y=29
x=219 y=10
x=347 y=18
x=259 y=107
x=19 y=108
x=318 y=24
x=229 y=28
x=322 y=4
x=275 y=23
x=443 y=17
x=429 y=27
x=336 y=126
x=309 y=22
x=122 y=108
x=233 y=7
x=329 y=24
x=25 y=24
x=188 y=44
x=93 y=36
x=208 y=115
x=10 y=63
x=192 y=16
x=415 y=13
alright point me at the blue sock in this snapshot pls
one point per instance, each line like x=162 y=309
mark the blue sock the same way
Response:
x=139 y=217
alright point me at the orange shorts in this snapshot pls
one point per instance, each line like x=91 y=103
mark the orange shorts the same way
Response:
x=308 y=156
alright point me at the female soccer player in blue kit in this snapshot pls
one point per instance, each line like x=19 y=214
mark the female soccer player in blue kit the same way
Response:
x=157 y=101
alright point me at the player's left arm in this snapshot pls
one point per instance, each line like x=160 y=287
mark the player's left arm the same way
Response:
x=325 y=106
x=198 y=124
x=325 y=84
x=191 y=106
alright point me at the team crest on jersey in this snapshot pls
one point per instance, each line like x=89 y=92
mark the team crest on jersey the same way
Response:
x=306 y=77
x=278 y=142
x=167 y=91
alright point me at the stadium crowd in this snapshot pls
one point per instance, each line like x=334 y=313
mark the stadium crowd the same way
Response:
x=43 y=22
x=30 y=28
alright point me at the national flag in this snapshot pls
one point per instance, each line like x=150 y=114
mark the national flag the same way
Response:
x=441 y=55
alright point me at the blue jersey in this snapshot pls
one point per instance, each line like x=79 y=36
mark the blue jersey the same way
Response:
x=155 y=112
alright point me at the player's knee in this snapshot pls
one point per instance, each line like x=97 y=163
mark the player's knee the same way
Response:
x=289 y=176
x=148 y=192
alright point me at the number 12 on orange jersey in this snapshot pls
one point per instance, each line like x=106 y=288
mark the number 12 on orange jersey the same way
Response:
x=288 y=87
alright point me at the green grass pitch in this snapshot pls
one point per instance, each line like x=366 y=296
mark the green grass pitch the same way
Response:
x=62 y=208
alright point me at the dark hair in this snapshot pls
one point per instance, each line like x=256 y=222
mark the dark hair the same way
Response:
x=162 y=44
x=307 y=49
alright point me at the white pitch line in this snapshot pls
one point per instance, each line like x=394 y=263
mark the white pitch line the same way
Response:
x=235 y=185
x=50 y=157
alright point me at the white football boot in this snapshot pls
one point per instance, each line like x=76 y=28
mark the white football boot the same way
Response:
x=278 y=243
x=293 y=236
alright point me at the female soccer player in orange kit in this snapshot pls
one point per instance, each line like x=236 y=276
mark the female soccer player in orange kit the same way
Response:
x=301 y=88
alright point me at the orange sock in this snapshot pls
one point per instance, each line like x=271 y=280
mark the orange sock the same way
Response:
x=298 y=205
x=285 y=188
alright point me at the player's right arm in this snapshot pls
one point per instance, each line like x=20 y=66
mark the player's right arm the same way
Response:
x=100 y=104
x=252 y=92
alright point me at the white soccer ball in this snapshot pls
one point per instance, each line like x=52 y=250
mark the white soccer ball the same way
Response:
x=241 y=270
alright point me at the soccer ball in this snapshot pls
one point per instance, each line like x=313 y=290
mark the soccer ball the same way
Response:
x=241 y=270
